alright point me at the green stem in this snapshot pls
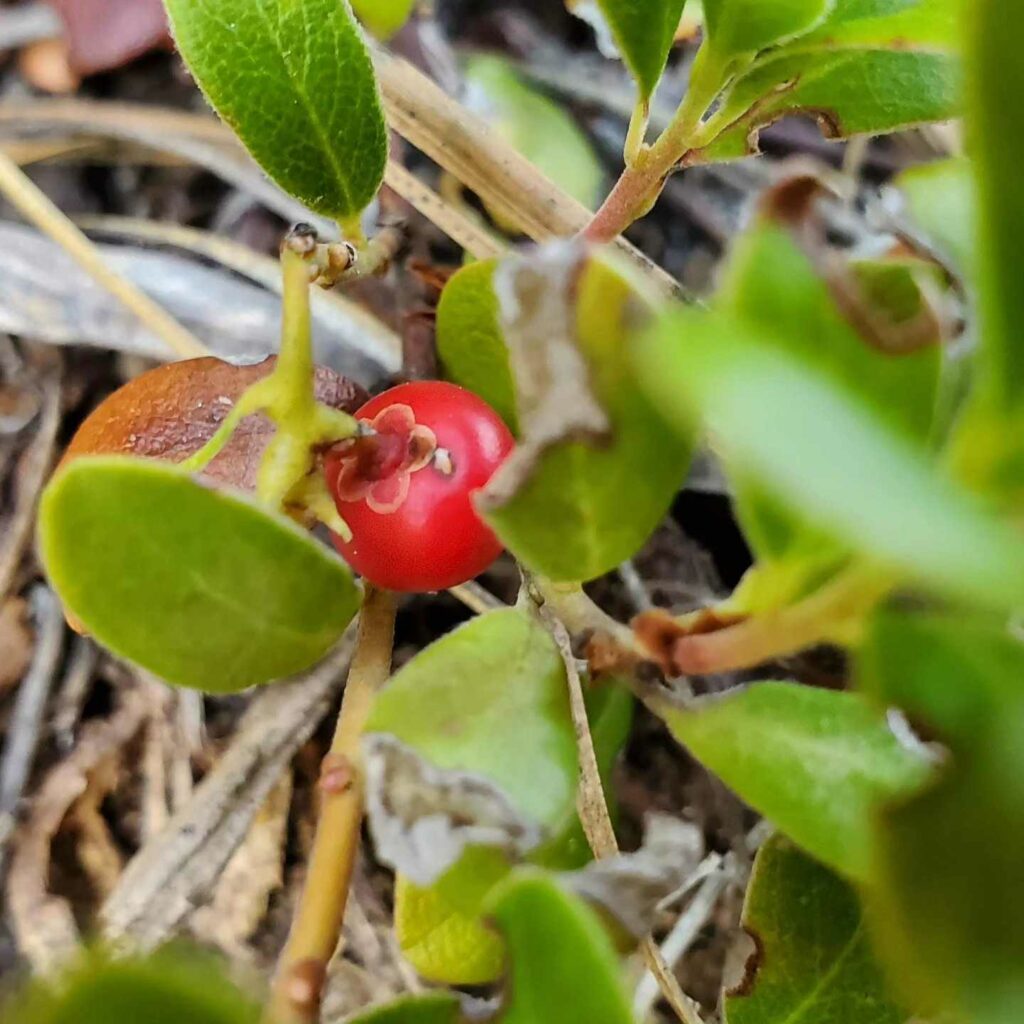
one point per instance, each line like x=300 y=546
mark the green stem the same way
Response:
x=641 y=183
x=294 y=370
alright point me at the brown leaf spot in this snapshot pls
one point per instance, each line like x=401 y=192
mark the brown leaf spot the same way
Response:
x=172 y=411
x=751 y=966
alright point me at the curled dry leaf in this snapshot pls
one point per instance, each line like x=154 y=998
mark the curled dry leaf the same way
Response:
x=896 y=303
x=424 y=817
x=630 y=886
x=172 y=411
x=104 y=34
x=555 y=401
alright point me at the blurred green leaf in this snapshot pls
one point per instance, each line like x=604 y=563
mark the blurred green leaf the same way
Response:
x=996 y=124
x=171 y=986
x=738 y=27
x=945 y=902
x=432 y=1008
x=850 y=92
x=200 y=586
x=940 y=197
x=585 y=508
x=295 y=81
x=538 y=128
x=810 y=443
x=643 y=31
x=562 y=965
x=814 y=762
x=470 y=342
x=383 y=17
x=896 y=23
x=814 y=963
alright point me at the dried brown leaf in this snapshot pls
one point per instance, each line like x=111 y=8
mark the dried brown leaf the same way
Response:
x=172 y=411
x=424 y=817
x=15 y=642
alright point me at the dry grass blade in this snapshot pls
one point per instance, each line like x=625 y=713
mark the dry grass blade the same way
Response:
x=177 y=869
x=32 y=472
x=595 y=818
x=23 y=730
x=352 y=325
x=43 y=923
x=37 y=208
x=466 y=147
x=474 y=238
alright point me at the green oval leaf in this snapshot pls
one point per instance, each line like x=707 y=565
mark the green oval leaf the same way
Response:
x=814 y=963
x=799 y=434
x=562 y=965
x=538 y=128
x=736 y=27
x=293 y=78
x=643 y=30
x=944 y=900
x=199 y=586
x=940 y=197
x=585 y=507
x=814 y=762
x=470 y=342
x=171 y=986
x=383 y=17
x=454 y=701
x=850 y=91
x=895 y=23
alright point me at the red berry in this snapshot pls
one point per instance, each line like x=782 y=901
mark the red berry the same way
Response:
x=406 y=491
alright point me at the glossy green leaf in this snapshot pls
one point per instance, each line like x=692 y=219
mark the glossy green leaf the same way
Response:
x=199 y=586
x=849 y=91
x=736 y=27
x=171 y=986
x=945 y=900
x=996 y=123
x=585 y=508
x=563 y=968
x=294 y=80
x=383 y=17
x=643 y=31
x=432 y=1008
x=806 y=440
x=814 y=762
x=470 y=342
x=814 y=963
x=538 y=128
x=940 y=200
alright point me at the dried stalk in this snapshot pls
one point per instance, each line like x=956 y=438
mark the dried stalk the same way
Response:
x=36 y=207
x=595 y=818
x=298 y=985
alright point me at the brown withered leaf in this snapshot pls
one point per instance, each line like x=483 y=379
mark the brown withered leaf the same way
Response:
x=423 y=817
x=172 y=411
x=873 y=295
x=105 y=34
x=536 y=291
x=630 y=886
